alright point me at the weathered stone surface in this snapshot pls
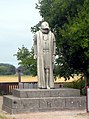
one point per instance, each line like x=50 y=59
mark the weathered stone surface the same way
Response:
x=26 y=85
x=21 y=85
x=22 y=103
x=75 y=103
x=14 y=105
x=40 y=93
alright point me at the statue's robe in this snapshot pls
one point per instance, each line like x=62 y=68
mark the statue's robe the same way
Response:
x=45 y=57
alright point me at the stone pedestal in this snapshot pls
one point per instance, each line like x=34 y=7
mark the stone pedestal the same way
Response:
x=33 y=100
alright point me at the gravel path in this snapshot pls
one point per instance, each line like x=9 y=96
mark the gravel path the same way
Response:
x=67 y=114
x=54 y=115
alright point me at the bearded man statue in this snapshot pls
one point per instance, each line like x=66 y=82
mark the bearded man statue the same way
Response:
x=45 y=52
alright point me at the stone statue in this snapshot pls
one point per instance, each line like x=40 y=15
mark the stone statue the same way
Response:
x=44 y=52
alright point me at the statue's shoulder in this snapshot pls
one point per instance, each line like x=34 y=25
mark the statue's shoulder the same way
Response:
x=52 y=34
x=38 y=32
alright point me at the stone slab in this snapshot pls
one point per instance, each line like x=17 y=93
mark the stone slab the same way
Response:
x=15 y=105
x=20 y=85
x=26 y=85
x=40 y=93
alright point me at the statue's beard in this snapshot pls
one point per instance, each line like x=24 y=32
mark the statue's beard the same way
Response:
x=45 y=31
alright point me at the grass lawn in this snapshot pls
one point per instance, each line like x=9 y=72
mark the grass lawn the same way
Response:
x=4 y=117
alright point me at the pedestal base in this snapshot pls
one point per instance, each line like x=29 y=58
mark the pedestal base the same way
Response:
x=33 y=100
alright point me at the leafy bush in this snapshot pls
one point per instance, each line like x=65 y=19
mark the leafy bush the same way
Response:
x=79 y=84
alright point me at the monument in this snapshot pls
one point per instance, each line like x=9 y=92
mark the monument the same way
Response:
x=44 y=52
x=43 y=99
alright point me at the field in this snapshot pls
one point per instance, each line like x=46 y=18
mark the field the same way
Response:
x=14 y=78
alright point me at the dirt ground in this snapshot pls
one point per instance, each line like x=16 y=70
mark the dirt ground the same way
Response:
x=67 y=114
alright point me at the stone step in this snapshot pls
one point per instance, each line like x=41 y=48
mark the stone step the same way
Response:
x=15 y=105
x=40 y=93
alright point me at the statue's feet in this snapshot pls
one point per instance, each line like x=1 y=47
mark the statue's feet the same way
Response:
x=52 y=88
x=48 y=87
x=42 y=88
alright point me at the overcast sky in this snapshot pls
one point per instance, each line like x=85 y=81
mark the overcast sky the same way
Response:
x=16 y=19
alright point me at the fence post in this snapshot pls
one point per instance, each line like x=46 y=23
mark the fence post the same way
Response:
x=20 y=84
x=87 y=98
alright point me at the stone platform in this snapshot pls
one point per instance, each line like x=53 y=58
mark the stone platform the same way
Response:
x=34 y=100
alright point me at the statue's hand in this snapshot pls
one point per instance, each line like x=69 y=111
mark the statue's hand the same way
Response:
x=35 y=56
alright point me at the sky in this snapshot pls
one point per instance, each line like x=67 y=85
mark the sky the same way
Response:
x=16 y=19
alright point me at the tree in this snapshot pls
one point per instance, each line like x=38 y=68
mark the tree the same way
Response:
x=26 y=60
x=7 y=69
x=75 y=42
x=69 y=19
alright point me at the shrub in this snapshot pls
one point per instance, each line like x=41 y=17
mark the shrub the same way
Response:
x=79 y=84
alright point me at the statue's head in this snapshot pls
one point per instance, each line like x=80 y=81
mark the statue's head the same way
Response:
x=45 y=27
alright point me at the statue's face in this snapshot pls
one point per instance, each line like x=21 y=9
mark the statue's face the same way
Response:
x=44 y=25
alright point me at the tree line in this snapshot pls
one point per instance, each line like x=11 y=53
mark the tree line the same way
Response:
x=7 y=69
x=69 y=20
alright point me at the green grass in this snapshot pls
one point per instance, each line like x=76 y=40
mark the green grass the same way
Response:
x=4 y=117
